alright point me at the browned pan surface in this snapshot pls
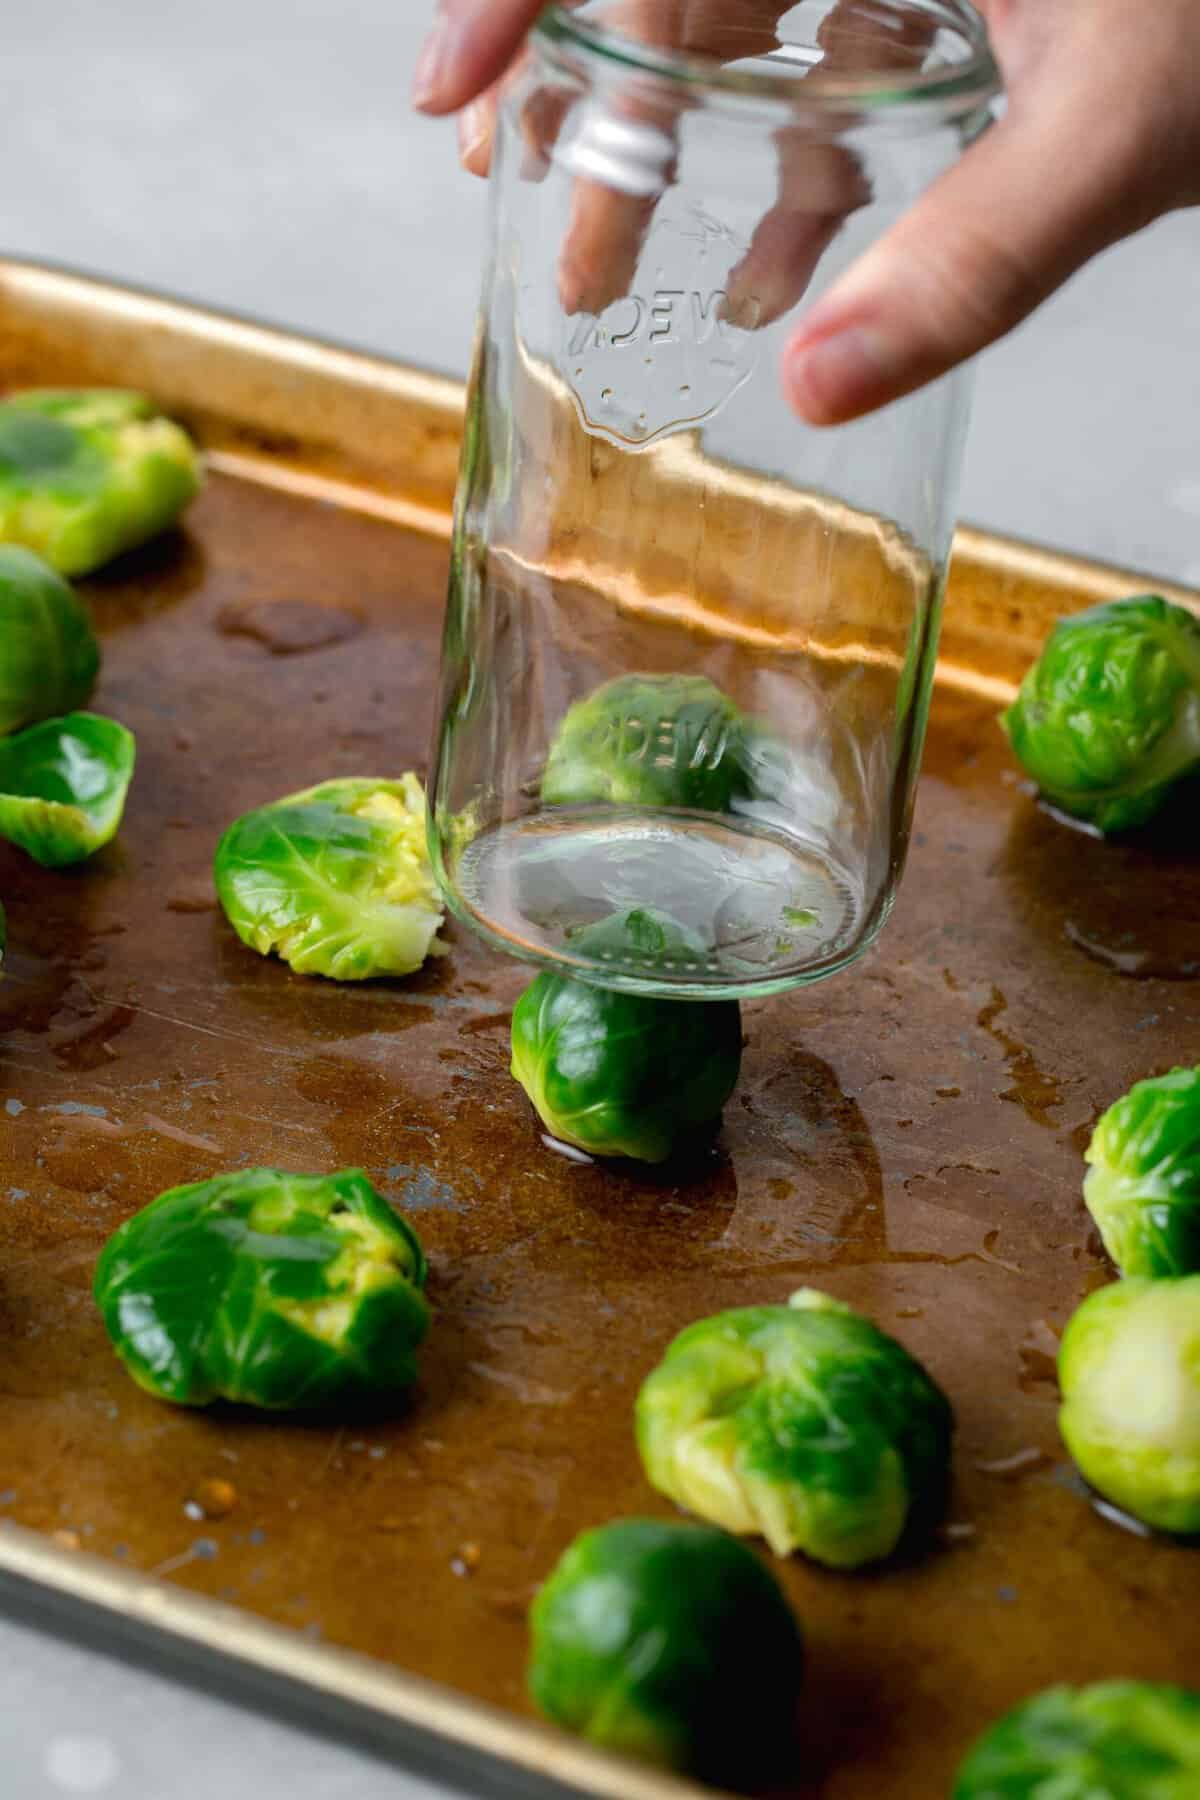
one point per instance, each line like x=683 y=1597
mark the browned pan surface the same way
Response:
x=908 y=1135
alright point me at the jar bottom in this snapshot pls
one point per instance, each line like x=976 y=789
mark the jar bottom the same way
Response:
x=764 y=910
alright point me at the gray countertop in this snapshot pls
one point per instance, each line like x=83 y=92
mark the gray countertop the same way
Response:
x=260 y=155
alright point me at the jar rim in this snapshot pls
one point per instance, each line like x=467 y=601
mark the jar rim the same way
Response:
x=955 y=87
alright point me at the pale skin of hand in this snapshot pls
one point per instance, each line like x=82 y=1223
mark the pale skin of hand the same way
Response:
x=1100 y=137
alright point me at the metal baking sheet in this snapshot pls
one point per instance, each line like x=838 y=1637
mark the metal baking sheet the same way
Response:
x=907 y=1135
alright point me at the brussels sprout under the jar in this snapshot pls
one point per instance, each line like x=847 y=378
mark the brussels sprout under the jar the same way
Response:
x=670 y=1642
x=48 y=652
x=87 y=473
x=63 y=785
x=335 y=879
x=1108 y=718
x=266 y=1288
x=803 y=1422
x=617 y=1074
x=649 y=740
x=1143 y=1186
x=1117 y=1740
x=1129 y=1370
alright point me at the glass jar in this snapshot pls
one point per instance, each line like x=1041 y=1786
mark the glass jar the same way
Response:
x=690 y=640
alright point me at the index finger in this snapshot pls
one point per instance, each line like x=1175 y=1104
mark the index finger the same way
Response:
x=471 y=44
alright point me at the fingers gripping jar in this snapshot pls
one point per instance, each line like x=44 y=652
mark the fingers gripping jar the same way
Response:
x=690 y=639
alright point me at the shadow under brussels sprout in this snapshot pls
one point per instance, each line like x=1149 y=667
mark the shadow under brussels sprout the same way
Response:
x=1127 y=902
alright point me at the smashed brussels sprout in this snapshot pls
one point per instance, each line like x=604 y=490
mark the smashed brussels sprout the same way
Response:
x=87 y=473
x=1118 y=1740
x=335 y=880
x=48 y=652
x=266 y=1288
x=1108 y=718
x=669 y=1642
x=63 y=785
x=1129 y=1370
x=617 y=1074
x=803 y=1422
x=649 y=740
x=1143 y=1186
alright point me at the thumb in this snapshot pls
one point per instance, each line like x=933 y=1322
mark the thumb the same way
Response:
x=1027 y=205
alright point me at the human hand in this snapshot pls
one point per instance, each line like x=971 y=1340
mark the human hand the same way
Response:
x=1101 y=136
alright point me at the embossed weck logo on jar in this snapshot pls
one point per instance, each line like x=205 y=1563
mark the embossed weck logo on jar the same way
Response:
x=665 y=357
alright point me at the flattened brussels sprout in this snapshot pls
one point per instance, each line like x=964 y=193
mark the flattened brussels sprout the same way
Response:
x=63 y=785
x=87 y=473
x=1143 y=1187
x=1118 y=1740
x=1129 y=1370
x=48 y=652
x=803 y=1422
x=1108 y=718
x=669 y=1642
x=266 y=1288
x=649 y=740
x=335 y=879
x=616 y=1074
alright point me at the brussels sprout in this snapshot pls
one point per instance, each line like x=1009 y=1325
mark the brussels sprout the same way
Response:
x=616 y=1074
x=48 y=652
x=1143 y=1187
x=1118 y=1740
x=267 y=1288
x=670 y=1642
x=63 y=785
x=649 y=740
x=335 y=879
x=1129 y=1370
x=804 y=1422
x=86 y=473
x=1108 y=718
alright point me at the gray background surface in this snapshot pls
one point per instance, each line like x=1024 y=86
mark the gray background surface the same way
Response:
x=260 y=155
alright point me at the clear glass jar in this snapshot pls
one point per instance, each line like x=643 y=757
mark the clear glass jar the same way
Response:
x=690 y=640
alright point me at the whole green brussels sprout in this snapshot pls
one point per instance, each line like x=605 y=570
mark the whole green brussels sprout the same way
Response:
x=87 y=473
x=266 y=1288
x=1117 y=1740
x=617 y=1074
x=335 y=879
x=1129 y=1370
x=649 y=740
x=48 y=652
x=1108 y=718
x=670 y=1642
x=1143 y=1186
x=804 y=1422
x=63 y=785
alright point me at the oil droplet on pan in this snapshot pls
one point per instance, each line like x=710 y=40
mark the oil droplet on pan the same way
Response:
x=289 y=627
x=1015 y=1467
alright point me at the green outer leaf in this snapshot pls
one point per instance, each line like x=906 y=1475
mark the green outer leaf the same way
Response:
x=63 y=785
x=267 y=1288
x=1129 y=1371
x=86 y=474
x=48 y=651
x=648 y=740
x=331 y=892
x=1143 y=1186
x=671 y=1642
x=804 y=1422
x=617 y=1074
x=1108 y=718
x=1116 y=1740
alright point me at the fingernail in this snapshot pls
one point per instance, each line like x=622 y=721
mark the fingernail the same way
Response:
x=474 y=131
x=433 y=62
x=840 y=376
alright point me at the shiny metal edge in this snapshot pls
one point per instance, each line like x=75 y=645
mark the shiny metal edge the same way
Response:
x=155 y=1614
